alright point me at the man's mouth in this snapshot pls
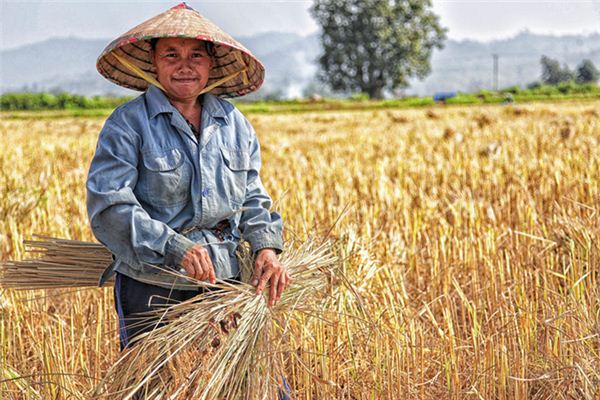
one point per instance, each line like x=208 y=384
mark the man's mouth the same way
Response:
x=185 y=80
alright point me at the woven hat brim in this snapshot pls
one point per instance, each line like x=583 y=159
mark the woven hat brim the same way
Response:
x=182 y=22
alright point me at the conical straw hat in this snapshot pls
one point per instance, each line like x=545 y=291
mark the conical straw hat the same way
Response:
x=126 y=60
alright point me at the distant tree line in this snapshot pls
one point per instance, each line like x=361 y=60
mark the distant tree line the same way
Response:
x=60 y=101
x=553 y=73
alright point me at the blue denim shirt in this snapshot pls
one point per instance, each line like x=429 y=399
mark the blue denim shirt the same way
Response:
x=154 y=190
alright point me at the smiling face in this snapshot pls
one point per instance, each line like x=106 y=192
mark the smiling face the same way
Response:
x=182 y=66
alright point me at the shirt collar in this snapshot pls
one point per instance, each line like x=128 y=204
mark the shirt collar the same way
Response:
x=158 y=103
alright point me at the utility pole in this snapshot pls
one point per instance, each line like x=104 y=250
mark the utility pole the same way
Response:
x=495 y=71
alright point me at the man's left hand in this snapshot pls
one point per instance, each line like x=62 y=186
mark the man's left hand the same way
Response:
x=267 y=268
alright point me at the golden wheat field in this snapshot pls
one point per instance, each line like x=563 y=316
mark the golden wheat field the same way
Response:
x=471 y=236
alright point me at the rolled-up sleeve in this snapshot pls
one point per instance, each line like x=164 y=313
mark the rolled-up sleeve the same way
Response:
x=117 y=219
x=261 y=227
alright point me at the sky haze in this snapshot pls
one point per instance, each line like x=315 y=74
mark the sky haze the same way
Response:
x=33 y=21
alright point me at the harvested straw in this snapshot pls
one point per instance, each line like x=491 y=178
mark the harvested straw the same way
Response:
x=61 y=263
x=224 y=343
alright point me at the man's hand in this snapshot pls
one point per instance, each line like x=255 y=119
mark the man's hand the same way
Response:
x=197 y=264
x=267 y=268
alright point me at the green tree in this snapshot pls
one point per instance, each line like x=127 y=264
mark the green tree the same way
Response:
x=587 y=72
x=553 y=73
x=374 y=45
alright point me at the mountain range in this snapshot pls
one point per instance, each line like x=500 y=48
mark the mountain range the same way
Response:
x=68 y=64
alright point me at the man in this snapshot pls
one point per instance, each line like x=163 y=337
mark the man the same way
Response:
x=174 y=182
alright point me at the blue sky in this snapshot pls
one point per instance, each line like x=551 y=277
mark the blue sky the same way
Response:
x=25 y=22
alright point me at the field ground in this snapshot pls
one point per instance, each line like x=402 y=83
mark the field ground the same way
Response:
x=471 y=237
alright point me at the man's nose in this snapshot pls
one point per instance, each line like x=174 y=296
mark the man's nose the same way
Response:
x=185 y=65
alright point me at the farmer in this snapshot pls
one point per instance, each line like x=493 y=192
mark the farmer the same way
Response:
x=174 y=183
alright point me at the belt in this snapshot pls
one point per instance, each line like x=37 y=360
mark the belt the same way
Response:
x=219 y=227
x=217 y=230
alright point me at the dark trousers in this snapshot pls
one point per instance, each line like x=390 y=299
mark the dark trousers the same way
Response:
x=133 y=297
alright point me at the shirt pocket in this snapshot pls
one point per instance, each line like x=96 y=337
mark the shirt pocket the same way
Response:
x=165 y=178
x=235 y=174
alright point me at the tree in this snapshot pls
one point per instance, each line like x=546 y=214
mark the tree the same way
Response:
x=553 y=73
x=587 y=73
x=374 y=45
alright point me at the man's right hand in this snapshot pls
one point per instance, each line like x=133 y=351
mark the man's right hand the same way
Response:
x=197 y=264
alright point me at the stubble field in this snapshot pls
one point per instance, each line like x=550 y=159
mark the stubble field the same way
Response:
x=470 y=235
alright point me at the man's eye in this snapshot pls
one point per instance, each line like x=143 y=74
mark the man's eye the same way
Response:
x=170 y=55
x=198 y=55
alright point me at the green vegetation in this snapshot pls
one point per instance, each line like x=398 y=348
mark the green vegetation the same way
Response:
x=535 y=92
x=60 y=101
x=33 y=105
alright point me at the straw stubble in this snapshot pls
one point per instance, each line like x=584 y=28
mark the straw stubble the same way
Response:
x=479 y=267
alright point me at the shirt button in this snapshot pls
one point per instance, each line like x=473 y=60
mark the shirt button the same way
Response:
x=205 y=192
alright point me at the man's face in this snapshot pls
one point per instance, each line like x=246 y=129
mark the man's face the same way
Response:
x=182 y=66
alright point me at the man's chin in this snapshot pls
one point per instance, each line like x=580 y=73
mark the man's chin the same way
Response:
x=184 y=92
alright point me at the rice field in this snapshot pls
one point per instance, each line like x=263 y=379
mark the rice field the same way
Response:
x=470 y=237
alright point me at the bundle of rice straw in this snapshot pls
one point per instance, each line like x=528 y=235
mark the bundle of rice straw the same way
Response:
x=60 y=263
x=225 y=343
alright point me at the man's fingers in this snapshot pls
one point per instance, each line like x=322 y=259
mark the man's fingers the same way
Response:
x=287 y=280
x=268 y=268
x=273 y=289
x=258 y=271
x=198 y=265
x=262 y=282
x=190 y=263
x=199 y=269
x=282 y=285
x=189 y=269
x=206 y=266
x=211 y=273
x=190 y=266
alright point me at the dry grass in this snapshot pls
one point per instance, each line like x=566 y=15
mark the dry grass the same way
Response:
x=479 y=268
